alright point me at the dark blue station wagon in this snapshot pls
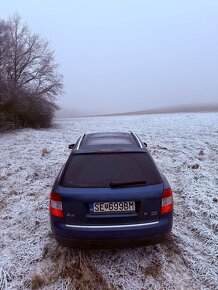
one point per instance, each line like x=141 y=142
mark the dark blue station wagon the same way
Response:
x=110 y=193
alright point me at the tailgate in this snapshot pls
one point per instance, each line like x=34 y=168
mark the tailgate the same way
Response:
x=77 y=204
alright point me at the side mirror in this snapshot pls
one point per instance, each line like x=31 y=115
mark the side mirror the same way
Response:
x=145 y=144
x=71 y=146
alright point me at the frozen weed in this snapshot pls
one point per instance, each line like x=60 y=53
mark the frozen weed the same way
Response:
x=3 y=203
x=45 y=152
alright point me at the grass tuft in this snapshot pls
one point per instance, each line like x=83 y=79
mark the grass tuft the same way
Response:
x=73 y=265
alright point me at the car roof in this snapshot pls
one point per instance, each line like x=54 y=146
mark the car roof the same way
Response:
x=109 y=142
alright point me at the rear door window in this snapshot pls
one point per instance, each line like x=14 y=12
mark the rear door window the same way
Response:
x=102 y=170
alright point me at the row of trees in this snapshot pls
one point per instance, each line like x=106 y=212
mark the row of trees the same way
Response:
x=29 y=78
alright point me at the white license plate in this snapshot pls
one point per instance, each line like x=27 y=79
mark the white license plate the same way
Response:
x=112 y=207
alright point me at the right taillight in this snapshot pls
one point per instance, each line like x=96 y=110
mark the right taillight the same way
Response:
x=56 y=205
x=167 y=201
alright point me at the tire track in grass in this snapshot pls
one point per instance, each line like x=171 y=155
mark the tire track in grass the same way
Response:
x=159 y=266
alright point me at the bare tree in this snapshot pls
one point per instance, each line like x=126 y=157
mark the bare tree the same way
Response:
x=27 y=68
x=4 y=43
x=30 y=62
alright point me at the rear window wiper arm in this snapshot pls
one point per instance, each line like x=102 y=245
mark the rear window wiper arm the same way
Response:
x=131 y=183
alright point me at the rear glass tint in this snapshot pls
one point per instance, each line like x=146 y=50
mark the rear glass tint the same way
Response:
x=100 y=170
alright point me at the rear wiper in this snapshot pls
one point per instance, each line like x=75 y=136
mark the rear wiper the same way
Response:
x=131 y=183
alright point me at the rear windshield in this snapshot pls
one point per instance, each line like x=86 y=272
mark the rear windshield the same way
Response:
x=106 y=170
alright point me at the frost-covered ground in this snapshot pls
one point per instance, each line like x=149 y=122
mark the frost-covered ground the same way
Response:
x=185 y=146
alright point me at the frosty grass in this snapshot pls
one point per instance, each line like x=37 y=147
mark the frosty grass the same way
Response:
x=185 y=148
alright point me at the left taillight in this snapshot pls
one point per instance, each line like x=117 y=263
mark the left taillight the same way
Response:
x=167 y=201
x=56 y=205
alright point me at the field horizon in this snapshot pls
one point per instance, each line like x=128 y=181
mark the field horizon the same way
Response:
x=186 y=108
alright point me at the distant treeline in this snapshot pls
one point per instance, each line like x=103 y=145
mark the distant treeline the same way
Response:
x=29 y=78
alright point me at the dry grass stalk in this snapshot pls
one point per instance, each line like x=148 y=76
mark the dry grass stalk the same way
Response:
x=76 y=266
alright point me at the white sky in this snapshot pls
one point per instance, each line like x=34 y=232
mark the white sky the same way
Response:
x=119 y=56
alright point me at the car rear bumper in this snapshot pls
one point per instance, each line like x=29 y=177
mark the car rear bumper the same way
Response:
x=118 y=234
x=115 y=243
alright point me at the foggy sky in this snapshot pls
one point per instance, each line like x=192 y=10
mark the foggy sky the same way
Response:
x=119 y=56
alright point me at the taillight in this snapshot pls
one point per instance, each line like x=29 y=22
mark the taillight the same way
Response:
x=56 y=205
x=167 y=201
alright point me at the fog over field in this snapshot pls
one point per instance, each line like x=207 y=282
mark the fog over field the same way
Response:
x=69 y=113
x=125 y=56
x=185 y=148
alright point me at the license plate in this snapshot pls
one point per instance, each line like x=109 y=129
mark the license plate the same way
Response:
x=112 y=207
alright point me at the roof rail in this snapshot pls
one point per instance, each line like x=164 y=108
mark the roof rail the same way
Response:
x=79 y=142
x=137 y=139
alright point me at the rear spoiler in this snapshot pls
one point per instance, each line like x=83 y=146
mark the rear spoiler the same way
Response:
x=71 y=146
